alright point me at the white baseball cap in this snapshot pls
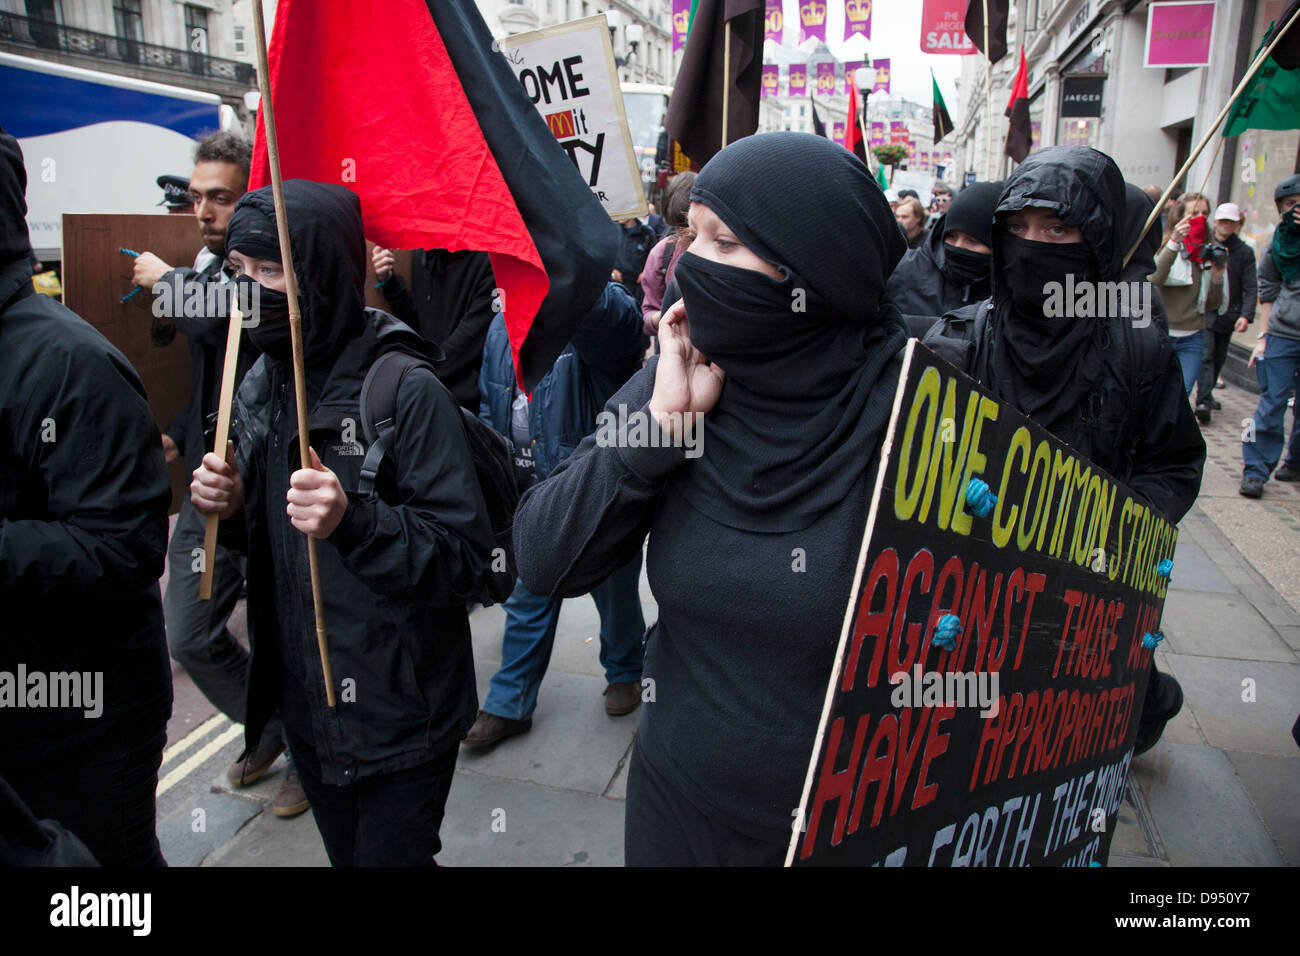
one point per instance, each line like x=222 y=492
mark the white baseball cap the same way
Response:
x=1229 y=210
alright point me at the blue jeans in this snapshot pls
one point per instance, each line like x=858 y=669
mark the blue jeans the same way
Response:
x=531 y=621
x=1279 y=378
x=1189 y=348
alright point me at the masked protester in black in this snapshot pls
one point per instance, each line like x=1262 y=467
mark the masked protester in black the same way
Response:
x=1110 y=385
x=952 y=268
x=796 y=398
x=83 y=537
x=1137 y=206
x=397 y=568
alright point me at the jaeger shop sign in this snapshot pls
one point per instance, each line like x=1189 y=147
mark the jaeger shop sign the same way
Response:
x=1081 y=96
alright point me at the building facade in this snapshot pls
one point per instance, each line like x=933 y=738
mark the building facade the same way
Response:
x=1089 y=85
x=190 y=44
x=641 y=31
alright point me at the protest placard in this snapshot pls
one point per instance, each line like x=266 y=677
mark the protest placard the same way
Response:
x=994 y=657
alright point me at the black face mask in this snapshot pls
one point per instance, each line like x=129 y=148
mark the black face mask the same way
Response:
x=1029 y=267
x=271 y=334
x=743 y=320
x=965 y=267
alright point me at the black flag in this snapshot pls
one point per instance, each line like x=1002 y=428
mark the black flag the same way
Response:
x=998 y=13
x=818 y=126
x=695 y=109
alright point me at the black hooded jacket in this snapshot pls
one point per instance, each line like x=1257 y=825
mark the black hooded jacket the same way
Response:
x=1134 y=420
x=919 y=289
x=1137 y=207
x=83 y=509
x=451 y=304
x=398 y=570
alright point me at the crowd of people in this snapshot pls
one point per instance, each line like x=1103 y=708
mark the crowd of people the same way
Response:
x=795 y=403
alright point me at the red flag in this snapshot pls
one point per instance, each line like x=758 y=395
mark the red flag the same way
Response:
x=421 y=150
x=1020 y=135
x=853 y=134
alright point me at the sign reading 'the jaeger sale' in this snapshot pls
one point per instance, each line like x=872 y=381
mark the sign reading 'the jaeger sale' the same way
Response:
x=993 y=661
x=568 y=71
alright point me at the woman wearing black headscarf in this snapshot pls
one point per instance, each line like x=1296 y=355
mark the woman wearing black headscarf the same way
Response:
x=754 y=532
x=1106 y=383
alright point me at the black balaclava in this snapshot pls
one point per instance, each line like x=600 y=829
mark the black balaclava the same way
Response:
x=327 y=237
x=807 y=393
x=971 y=212
x=1044 y=365
x=14 y=241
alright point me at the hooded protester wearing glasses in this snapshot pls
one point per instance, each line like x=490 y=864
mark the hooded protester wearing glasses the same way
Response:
x=396 y=568
x=952 y=267
x=1107 y=385
x=790 y=357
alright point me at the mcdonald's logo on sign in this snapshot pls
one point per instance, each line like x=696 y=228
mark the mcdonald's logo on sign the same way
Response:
x=561 y=124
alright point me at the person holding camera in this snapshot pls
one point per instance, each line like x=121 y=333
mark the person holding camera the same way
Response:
x=1237 y=309
x=1191 y=284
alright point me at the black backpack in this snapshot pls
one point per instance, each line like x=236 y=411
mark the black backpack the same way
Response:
x=493 y=456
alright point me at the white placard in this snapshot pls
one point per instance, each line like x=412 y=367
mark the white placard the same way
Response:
x=568 y=71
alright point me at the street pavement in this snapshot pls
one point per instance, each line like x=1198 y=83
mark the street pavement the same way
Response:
x=1219 y=789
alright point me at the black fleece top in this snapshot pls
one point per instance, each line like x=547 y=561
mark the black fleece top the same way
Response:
x=748 y=622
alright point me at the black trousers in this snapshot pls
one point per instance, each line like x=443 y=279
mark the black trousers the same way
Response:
x=389 y=820
x=663 y=828
x=102 y=789
x=1213 y=356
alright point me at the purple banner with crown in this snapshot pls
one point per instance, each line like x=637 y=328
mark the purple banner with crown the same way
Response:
x=798 y=79
x=857 y=18
x=882 y=77
x=773 y=20
x=812 y=20
x=771 y=80
x=825 y=79
x=681 y=21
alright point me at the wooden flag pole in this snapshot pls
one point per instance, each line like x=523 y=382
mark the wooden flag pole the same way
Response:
x=988 y=90
x=222 y=438
x=267 y=112
x=726 y=78
x=1214 y=127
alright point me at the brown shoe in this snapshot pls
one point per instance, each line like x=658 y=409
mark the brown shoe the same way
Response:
x=251 y=767
x=622 y=698
x=290 y=800
x=491 y=729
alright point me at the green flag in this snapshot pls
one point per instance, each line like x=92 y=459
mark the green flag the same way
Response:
x=1271 y=101
x=880 y=176
x=942 y=121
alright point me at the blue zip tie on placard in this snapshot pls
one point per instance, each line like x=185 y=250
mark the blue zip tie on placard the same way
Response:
x=946 y=630
x=980 y=497
x=1151 y=638
x=1165 y=568
x=132 y=292
x=128 y=252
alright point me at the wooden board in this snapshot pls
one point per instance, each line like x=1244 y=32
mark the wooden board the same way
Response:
x=96 y=276
x=1010 y=747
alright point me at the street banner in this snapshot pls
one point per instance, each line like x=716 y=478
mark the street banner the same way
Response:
x=568 y=71
x=773 y=21
x=882 y=77
x=771 y=80
x=798 y=79
x=838 y=131
x=826 y=79
x=911 y=150
x=925 y=158
x=681 y=22
x=1179 y=34
x=981 y=709
x=812 y=20
x=851 y=68
x=943 y=27
x=857 y=18
x=878 y=134
x=898 y=132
